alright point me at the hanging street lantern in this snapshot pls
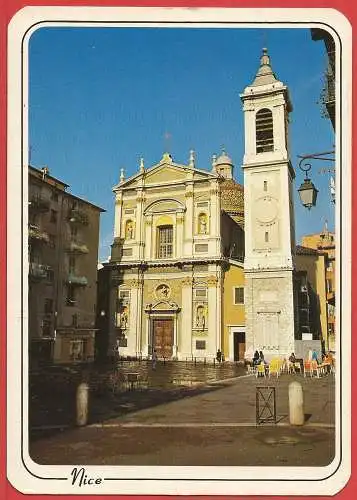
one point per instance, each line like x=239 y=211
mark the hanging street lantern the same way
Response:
x=307 y=190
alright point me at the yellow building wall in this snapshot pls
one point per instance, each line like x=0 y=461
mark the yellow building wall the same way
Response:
x=232 y=314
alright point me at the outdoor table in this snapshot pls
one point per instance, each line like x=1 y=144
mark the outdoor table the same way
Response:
x=132 y=379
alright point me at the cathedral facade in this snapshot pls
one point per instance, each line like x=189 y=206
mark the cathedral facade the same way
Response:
x=178 y=239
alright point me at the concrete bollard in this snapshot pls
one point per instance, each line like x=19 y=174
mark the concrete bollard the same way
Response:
x=296 y=404
x=82 y=404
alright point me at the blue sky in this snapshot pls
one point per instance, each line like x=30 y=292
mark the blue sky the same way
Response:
x=102 y=97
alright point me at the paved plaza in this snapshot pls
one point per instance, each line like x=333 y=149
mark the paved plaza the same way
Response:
x=205 y=423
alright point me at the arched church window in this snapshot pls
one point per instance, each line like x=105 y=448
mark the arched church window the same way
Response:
x=129 y=230
x=202 y=224
x=165 y=240
x=264 y=131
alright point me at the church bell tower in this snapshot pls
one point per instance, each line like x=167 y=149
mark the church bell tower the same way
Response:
x=269 y=216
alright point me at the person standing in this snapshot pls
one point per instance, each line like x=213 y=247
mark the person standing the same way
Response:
x=314 y=356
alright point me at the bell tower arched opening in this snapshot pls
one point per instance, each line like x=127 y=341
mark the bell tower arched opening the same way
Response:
x=264 y=131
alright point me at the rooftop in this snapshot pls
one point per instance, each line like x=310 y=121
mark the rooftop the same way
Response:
x=232 y=196
x=44 y=176
x=301 y=250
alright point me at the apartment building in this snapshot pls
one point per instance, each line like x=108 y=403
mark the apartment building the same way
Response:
x=324 y=243
x=63 y=237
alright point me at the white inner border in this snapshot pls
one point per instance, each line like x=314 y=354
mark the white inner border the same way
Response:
x=239 y=480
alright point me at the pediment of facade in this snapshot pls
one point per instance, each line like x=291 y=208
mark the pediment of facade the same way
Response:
x=165 y=173
x=162 y=306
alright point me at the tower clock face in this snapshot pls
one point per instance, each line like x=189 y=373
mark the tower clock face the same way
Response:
x=266 y=209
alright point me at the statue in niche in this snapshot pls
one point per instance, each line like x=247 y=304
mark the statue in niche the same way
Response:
x=202 y=224
x=129 y=230
x=200 y=318
x=163 y=292
x=124 y=318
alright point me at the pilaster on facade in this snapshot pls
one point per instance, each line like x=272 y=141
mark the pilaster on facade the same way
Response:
x=213 y=341
x=118 y=214
x=112 y=323
x=189 y=220
x=180 y=219
x=148 y=236
x=139 y=230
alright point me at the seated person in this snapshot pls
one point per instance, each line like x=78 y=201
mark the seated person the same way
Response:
x=292 y=358
x=328 y=358
x=255 y=359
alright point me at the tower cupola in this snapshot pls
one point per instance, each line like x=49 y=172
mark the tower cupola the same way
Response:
x=265 y=74
x=224 y=165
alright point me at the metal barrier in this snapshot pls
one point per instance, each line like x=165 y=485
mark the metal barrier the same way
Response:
x=265 y=405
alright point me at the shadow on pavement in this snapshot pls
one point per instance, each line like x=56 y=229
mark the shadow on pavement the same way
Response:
x=52 y=405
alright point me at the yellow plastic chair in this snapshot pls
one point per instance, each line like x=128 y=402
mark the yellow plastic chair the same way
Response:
x=274 y=367
x=260 y=370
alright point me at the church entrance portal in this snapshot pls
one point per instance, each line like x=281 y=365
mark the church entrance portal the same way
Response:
x=239 y=346
x=163 y=337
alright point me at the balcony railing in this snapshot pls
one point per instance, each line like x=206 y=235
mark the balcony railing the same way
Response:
x=76 y=247
x=38 y=271
x=77 y=280
x=76 y=216
x=36 y=233
x=39 y=203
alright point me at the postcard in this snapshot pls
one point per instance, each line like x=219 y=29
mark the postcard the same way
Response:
x=179 y=251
